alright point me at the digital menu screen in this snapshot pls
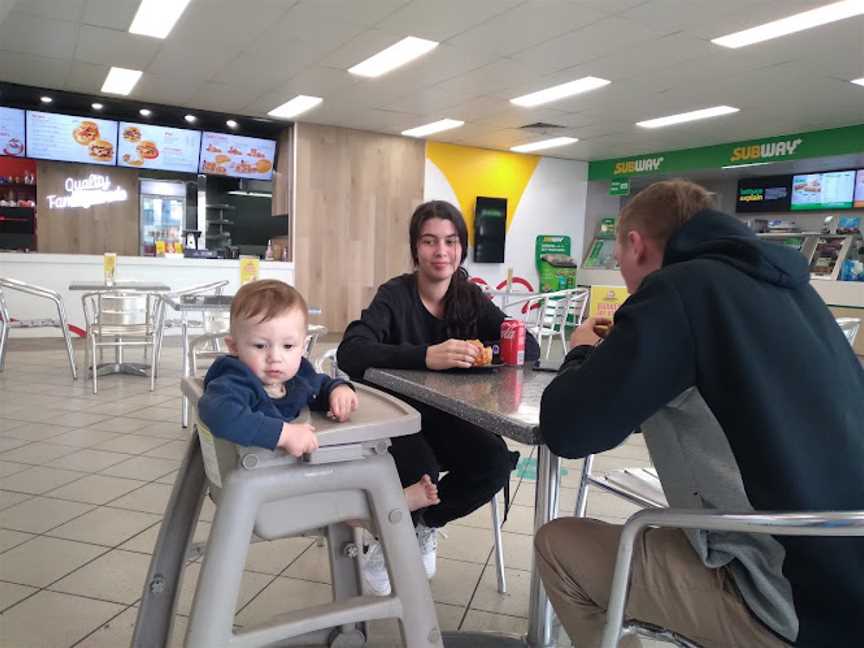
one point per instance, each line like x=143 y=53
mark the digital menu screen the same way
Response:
x=67 y=138
x=238 y=156
x=147 y=146
x=12 y=132
x=763 y=194
x=830 y=190
x=859 y=189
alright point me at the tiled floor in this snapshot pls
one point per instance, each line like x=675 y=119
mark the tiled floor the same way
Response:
x=83 y=483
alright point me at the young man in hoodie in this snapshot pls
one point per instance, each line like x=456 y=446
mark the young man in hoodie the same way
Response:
x=750 y=398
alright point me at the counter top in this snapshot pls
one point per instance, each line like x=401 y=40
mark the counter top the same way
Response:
x=505 y=400
x=165 y=262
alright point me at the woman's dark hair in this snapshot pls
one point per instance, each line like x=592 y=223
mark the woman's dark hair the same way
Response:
x=463 y=299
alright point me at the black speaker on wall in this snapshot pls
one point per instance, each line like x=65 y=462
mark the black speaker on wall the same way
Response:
x=490 y=229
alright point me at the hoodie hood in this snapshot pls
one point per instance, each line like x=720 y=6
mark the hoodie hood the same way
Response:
x=711 y=234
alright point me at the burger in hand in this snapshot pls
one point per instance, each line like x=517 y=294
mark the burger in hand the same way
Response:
x=147 y=150
x=484 y=356
x=86 y=132
x=101 y=150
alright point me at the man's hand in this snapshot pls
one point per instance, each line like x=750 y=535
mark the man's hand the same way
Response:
x=343 y=401
x=452 y=353
x=591 y=331
x=298 y=439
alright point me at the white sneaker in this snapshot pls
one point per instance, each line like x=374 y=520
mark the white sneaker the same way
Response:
x=373 y=567
x=428 y=540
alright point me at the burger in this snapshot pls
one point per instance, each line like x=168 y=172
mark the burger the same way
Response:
x=484 y=358
x=263 y=166
x=147 y=150
x=131 y=134
x=101 y=150
x=86 y=132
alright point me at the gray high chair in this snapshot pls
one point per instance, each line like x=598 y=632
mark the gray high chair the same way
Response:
x=273 y=495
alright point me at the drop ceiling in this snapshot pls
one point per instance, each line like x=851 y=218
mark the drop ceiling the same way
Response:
x=245 y=57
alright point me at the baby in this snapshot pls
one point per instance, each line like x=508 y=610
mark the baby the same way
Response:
x=252 y=396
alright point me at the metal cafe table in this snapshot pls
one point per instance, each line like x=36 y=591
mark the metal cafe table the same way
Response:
x=119 y=366
x=505 y=401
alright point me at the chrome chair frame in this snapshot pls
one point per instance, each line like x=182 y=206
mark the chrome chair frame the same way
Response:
x=6 y=322
x=812 y=524
x=850 y=327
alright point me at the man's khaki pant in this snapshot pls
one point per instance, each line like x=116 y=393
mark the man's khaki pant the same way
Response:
x=669 y=586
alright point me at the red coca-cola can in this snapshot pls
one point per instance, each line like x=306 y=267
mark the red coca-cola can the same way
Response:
x=513 y=342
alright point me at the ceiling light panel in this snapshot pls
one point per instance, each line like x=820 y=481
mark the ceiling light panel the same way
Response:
x=693 y=115
x=397 y=55
x=554 y=142
x=555 y=93
x=157 y=18
x=296 y=106
x=120 y=81
x=434 y=127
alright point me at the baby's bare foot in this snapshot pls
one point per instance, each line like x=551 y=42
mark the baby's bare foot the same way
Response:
x=422 y=494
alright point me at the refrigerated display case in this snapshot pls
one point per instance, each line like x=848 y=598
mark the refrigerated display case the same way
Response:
x=163 y=216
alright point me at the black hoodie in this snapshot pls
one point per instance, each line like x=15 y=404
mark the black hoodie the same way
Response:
x=736 y=317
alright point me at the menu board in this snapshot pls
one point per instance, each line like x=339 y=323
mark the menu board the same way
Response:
x=763 y=194
x=830 y=190
x=238 y=156
x=12 y=132
x=51 y=136
x=158 y=147
x=859 y=189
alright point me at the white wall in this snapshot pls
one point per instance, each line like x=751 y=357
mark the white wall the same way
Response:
x=553 y=203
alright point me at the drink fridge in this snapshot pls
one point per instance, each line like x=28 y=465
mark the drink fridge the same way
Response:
x=163 y=216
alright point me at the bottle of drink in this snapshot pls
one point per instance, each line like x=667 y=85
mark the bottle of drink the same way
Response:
x=268 y=255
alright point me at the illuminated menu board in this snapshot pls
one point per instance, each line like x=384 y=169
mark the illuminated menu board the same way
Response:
x=859 y=188
x=12 y=132
x=51 y=136
x=147 y=146
x=830 y=190
x=237 y=156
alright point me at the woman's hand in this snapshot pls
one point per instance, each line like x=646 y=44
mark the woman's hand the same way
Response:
x=590 y=332
x=450 y=354
x=297 y=439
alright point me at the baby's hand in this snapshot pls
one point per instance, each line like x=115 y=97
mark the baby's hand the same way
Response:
x=343 y=401
x=298 y=439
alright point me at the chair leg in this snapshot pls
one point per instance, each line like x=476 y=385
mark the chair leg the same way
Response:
x=582 y=495
x=67 y=336
x=4 y=338
x=153 y=360
x=95 y=366
x=499 y=545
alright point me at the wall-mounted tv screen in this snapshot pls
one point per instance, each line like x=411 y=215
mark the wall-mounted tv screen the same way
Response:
x=67 y=138
x=237 y=156
x=763 y=194
x=146 y=146
x=11 y=132
x=829 y=190
x=859 y=189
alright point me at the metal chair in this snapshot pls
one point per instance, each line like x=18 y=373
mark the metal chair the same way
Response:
x=327 y=364
x=826 y=524
x=7 y=323
x=850 y=327
x=117 y=320
x=547 y=315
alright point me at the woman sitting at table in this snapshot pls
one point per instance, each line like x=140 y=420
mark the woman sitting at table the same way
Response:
x=423 y=320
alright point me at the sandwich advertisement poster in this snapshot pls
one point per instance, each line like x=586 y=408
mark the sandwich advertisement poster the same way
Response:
x=146 y=146
x=51 y=136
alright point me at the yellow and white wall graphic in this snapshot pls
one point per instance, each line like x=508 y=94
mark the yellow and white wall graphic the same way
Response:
x=544 y=196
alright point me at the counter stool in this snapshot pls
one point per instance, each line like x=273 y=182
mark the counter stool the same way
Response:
x=351 y=476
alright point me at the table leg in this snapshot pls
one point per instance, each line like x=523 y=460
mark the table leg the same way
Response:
x=545 y=509
x=162 y=586
x=187 y=368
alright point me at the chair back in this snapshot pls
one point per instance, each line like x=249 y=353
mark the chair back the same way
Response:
x=120 y=313
x=850 y=327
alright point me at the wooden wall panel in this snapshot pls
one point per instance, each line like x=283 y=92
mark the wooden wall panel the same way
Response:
x=112 y=227
x=355 y=193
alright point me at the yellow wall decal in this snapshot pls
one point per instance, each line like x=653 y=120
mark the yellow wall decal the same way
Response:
x=473 y=172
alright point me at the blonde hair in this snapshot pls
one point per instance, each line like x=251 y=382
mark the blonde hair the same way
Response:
x=661 y=208
x=265 y=299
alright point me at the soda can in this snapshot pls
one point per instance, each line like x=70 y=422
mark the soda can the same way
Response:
x=513 y=342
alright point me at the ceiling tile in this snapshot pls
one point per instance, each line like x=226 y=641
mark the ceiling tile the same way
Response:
x=30 y=34
x=166 y=89
x=86 y=77
x=113 y=14
x=113 y=47
x=443 y=19
x=367 y=12
x=62 y=10
x=33 y=70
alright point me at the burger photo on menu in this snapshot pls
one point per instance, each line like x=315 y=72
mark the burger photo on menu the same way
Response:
x=147 y=150
x=86 y=132
x=132 y=133
x=101 y=150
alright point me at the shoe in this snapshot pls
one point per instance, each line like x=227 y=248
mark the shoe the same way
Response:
x=428 y=540
x=373 y=567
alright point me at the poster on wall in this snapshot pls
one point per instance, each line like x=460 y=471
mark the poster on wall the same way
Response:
x=11 y=132
x=158 y=147
x=67 y=138
x=237 y=156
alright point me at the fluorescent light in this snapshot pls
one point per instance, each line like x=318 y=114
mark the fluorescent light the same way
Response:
x=795 y=23
x=554 y=142
x=560 y=91
x=190 y=118
x=858 y=81
x=97 y=106
x=397 y=55
x=434 y=127
x=120 y=80
x=295 y=106
x=145 y=112
x=693 y=115
x=156 y=18
x=46 y=100
x=747 y=164
x=231 y=123
x=250 y=194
